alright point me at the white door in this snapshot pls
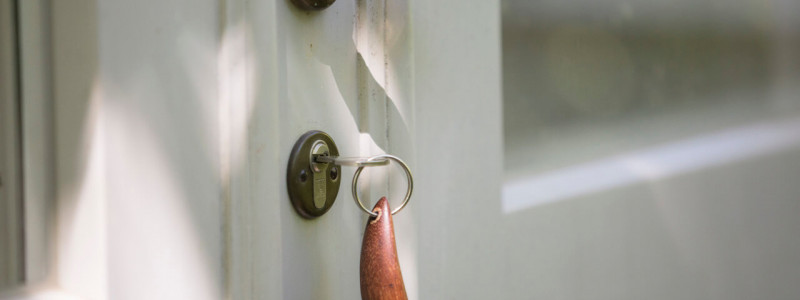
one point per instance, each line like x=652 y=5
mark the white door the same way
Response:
x=417 y=79
x=172 y=127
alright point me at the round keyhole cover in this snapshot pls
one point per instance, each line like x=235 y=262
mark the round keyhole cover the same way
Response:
x=313 y=4
x=300 y=175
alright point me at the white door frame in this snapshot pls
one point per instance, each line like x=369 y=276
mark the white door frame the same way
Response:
x=11 y=251
x=28 y=120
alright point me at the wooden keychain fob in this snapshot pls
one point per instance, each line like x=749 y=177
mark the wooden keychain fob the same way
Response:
x=380 y=269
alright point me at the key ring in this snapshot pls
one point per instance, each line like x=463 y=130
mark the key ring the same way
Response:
x=408 y=176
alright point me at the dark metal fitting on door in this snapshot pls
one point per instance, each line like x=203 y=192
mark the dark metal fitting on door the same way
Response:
x=314 y=170
x=313 y=4
x=312 y=185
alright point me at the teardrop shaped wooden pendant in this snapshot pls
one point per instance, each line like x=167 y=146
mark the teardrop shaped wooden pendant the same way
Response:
x=380 y=269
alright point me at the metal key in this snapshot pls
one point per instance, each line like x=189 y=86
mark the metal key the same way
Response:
x=320 y=171
x=353 y=161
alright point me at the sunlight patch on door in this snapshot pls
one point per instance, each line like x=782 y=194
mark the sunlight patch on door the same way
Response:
x=651 y=164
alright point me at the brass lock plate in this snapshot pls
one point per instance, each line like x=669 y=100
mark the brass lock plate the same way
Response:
x=313 y=185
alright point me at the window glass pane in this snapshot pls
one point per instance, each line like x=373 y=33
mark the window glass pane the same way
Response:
x=652 y=149
x=589 y=79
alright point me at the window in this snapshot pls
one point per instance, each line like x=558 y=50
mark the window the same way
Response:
x=603 y=89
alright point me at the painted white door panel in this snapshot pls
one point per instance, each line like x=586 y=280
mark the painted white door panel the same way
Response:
x=173 y=122
x=357 y=74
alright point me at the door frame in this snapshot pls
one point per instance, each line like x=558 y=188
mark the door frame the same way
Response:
x=33 y=117
x=11 y=236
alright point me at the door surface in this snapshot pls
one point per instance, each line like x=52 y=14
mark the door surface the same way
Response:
x=173 y=126
x=378 y=76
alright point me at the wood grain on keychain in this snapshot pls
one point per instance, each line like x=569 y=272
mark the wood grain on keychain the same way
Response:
x=380 y=270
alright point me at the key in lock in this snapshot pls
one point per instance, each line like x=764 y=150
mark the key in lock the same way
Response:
x=312 y=181
x=313 y=173
x=320 y=172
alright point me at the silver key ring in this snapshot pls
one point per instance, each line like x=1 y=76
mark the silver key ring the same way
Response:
x=408 y=176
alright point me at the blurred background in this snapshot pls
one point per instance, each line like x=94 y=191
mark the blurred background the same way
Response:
x=652 y=148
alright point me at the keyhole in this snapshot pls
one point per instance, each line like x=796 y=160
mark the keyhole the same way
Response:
x=334 y=173
x=303 y=176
